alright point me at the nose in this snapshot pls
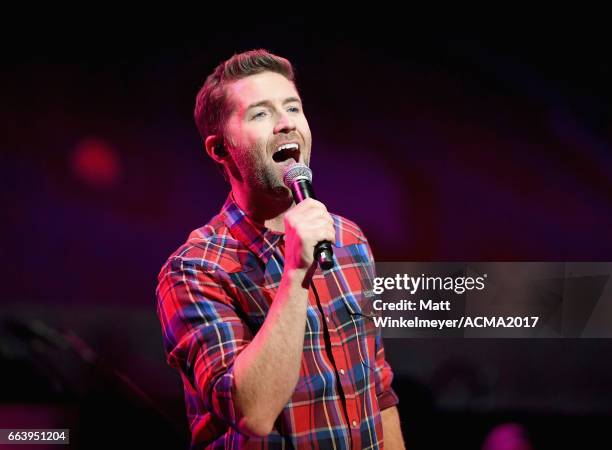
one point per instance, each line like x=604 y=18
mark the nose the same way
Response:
x=284 y=123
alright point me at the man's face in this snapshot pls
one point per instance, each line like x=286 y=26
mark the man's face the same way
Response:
x=265 y=113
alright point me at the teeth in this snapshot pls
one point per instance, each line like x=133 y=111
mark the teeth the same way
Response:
x=292 y=146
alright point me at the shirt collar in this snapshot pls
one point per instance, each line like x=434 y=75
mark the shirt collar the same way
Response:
x=255 y=236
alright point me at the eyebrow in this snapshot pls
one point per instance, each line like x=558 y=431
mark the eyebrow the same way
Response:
x=267 y=102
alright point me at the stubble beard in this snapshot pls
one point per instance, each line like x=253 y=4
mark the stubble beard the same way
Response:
x=264 y=177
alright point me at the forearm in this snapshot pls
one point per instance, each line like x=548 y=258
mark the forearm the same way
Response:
x=267 y=370
x=392 y=430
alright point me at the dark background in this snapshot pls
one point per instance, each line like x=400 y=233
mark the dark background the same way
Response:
x=440 y=145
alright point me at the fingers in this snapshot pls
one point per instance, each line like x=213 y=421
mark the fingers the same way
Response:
x=309 y=210
x=306 y=224
x=311 y=217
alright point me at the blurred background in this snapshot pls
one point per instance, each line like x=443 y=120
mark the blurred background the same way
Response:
x=441 y=146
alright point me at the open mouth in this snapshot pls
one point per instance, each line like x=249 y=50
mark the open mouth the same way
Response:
x=286 y=152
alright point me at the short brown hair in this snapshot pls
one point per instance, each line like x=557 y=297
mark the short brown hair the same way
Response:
x=211 y=108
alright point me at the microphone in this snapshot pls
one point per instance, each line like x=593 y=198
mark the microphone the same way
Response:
x=298 y=178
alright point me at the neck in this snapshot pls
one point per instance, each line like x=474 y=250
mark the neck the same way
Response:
x=263 y=208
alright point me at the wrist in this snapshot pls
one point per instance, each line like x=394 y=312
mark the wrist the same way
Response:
x=295 y=274
x=299 y=276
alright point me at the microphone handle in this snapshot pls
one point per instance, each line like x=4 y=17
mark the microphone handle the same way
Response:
x=323 y=253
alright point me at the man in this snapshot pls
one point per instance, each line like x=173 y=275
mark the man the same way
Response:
x=273 y=352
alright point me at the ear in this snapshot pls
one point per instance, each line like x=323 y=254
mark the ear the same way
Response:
x=215 y=148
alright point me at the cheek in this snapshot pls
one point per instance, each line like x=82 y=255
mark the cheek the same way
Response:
x=247 y=144
x=307 y=135
x=251 y=154
x=255 y=137
x=305 y=129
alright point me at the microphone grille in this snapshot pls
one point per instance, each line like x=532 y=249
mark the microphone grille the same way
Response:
x=294 y=172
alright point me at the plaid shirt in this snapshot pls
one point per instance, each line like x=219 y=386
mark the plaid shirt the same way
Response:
x=213 y=295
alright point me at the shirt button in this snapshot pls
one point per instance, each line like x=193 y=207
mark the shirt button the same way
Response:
x=327 y=318
x=354 y=423
x=341 y=371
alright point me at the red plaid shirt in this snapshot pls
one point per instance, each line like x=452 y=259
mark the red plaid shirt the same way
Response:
x=213 y=295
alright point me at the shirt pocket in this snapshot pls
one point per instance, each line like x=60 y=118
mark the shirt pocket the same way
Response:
x=361 y=315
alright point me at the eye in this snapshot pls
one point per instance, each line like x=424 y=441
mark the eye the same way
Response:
x=294 y=109
x=259 y=114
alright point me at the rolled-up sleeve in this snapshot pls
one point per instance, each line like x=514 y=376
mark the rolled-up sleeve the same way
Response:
x=202 y=332
x=383 y=373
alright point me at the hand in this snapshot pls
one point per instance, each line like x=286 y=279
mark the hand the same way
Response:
x=306 y=224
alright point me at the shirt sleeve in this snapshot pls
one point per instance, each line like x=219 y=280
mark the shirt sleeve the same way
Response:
x=202 y=332
x=383 y=374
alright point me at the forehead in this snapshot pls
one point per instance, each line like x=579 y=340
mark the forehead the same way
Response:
x=265 y=86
